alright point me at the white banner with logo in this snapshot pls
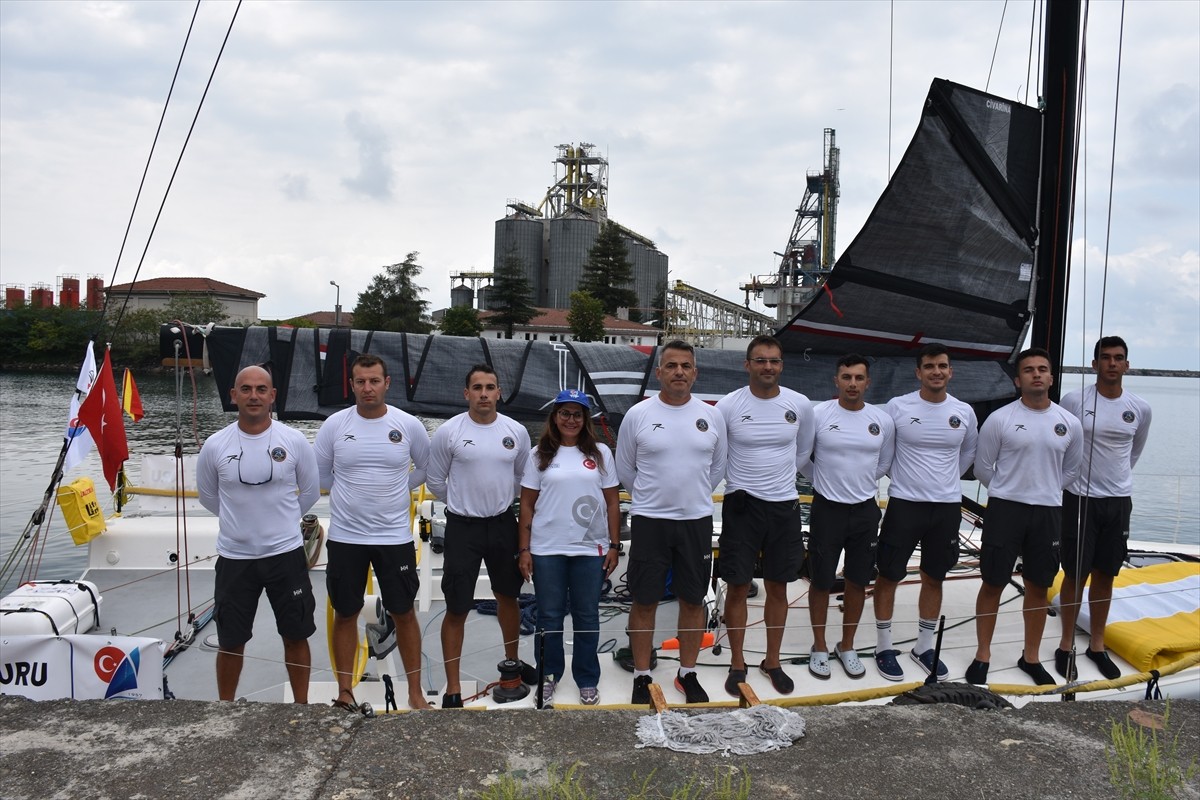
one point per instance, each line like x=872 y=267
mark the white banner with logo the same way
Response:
x=82 y=667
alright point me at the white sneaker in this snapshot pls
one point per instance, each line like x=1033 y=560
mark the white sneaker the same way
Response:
x=548 y=691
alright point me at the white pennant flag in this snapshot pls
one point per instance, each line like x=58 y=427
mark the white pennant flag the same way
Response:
x=80 y=441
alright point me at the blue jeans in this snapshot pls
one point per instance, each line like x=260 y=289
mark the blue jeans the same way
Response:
x=574 y=582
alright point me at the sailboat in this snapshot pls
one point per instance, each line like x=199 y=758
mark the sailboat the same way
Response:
x=967 y=246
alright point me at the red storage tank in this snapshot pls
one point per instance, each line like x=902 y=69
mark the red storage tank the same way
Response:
x=95 y=293
x=68 y=295
x=41 y=296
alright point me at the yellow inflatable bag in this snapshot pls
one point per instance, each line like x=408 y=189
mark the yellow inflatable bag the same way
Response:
x=81 y=510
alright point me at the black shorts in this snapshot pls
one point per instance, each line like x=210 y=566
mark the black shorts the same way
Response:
x=908 y=523
x=1105 y=534
x=750 y=526
x=834 y=527
x=471 y=541
x=395 y=568
x=1018 y=529
x=240 y=582
x=682 y=547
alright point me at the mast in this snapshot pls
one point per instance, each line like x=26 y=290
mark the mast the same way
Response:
x=1059 y=94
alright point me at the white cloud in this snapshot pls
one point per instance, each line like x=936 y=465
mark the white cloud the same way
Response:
x=337 y=137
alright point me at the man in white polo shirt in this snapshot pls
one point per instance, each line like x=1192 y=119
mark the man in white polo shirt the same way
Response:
x=1097 y=506
x=852 y=450
x=1029 y=451
x=259 y=476
x=770 y=431
x=370 y=457
x=670 y=456
x=936 y=436
x=476 y=462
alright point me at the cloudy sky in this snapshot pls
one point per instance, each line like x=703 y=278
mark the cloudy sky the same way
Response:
x=337 y=137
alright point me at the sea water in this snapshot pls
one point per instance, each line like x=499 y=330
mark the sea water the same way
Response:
x=33 y=416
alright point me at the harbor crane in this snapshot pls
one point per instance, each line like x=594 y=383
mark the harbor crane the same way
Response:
x=808 y=257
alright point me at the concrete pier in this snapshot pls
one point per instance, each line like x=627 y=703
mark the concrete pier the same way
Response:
x=191 y=749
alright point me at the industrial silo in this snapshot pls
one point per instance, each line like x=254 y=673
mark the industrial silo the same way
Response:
x=570 y=240
x=462 y=295
x=649 y=275
x=483 y=297
x=523 y=236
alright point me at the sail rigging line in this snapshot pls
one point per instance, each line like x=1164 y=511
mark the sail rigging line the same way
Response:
x=1112 y=166
x=183 y=583
x=1029 y=57
x=179 y=160
x=996 y=47
x=146 y=170
x=891 y=67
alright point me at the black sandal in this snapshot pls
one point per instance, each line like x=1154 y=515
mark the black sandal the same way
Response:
x=352 y=706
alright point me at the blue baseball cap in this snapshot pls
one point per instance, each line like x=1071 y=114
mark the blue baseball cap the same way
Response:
x=572 y=396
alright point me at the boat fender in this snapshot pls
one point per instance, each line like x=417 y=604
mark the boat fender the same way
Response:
x=81 y=510
x=313 y=534
x=959 y=694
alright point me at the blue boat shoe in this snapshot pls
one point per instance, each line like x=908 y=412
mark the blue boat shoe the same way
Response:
x=888 y=666
x=926 y=661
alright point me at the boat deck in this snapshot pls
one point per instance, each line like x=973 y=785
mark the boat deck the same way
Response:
x=143 y=601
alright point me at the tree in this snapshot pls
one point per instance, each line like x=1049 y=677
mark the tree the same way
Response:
x=53 y=335
x=198 y=309
x=608 y=273
x=462 y=321
x=658 y=308
x=586 y=318
x=393 y=300
x=135 y=341
x=510 y=296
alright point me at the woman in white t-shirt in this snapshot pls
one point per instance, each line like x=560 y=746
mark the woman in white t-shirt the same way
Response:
x=569 y=538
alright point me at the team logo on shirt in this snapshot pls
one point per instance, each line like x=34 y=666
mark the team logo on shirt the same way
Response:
x=955 y=422
x=508 y=443
x=701 y=425
x=873 y=429
x=789 y=415
x=278 y=454
x=587 y=462
x=1060 y=429
x=395 y=436
x=747 y=418
x=584 y=510
x=1128 y=416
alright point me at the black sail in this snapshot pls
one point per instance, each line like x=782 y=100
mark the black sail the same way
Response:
x=946 y=255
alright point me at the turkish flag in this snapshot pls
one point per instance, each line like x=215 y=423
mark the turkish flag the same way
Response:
x=101 y=413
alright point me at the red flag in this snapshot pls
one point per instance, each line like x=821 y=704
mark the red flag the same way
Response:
x=101 y=413
x=131 y=401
